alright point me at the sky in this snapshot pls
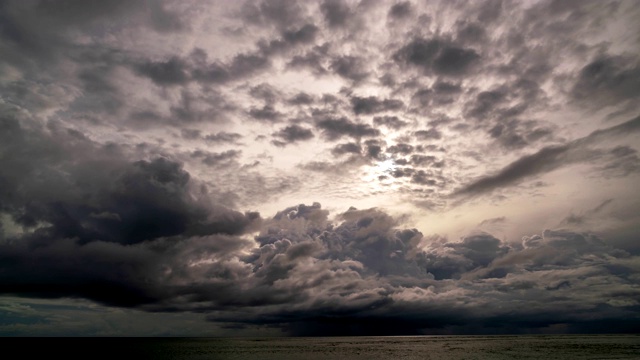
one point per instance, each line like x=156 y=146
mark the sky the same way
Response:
x=299 y=168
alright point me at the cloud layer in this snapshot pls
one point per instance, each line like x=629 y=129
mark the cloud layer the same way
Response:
x=476 y=164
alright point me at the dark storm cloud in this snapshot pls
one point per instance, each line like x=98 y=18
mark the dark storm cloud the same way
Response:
x=303 y=268
x=291 y=134
x=437 y=56
x=372 y=105
x=548 y=159
x=334 y=129
x=126 y=197
x=413 y=283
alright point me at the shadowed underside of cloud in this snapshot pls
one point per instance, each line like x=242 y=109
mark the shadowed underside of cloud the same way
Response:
x=141 y=234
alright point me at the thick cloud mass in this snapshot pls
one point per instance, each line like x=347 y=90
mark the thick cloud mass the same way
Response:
x=477 y=165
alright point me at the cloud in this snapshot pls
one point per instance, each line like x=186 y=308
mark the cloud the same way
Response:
x=390 y=121
x=136 y=144
x=371 y=105
x=223 y=137
x=170 y=72
x=400 y=10
x=609 y=80
x=350 y=67
x=546 y=160
x=291 y=134
x=346 y=148
x=336 y=12
x=267 y=112
x=336 y=128
x=437 y=56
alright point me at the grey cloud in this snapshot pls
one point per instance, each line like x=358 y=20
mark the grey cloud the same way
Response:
x=280 y=13
x=216 y=159
x=267 y=112
x=607 y=80
x=315 y=59
x=371 y=105
x=290 y=39
x=420 y=160
x=170 y=72
x=486 y=102
x=431 y=134
x=400 y=10
x=437 y=56
x=346 y=148
x=399 y=172
x=135 y=194
x=492 y=221
x=350 y=67
x=470 y=32
x=240 y=66
x=190 y=134
x=545 y=160
x=374 y=148
x=392 y=122
x=337 y=128
x=292 y=134
x=302 y=267
x=336 y=12
x=548 y=159
x=421 y=177
x=305 y=34
x=302 y=99
x=265 y=92
x=223 y=137
x=400 y=148
x=442 y=87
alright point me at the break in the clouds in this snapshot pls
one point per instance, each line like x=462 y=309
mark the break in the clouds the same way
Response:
x=319 y=168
